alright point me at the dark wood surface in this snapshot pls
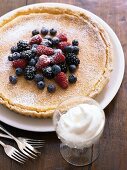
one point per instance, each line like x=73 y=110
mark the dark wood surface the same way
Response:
x=114 y=142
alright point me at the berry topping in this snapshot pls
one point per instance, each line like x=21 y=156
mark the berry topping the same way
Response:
x=19 y=71
x=51 y=88
x=37 y=39
x=47 y=72
x=13 y=79
x=42 y=62
x=72 y=68
x=52 y=55
x=48 y=37
x=32 y=62
x=46 y=43
x=58 y=58
x=57 y=51
x=41 y=49
x=23 y=45
x=10 y=58
x=35 y=32
x=53 y=32
x=29 y=72
x=75 y=50
x=55 y=41
x=41 y=85
x=75 y=42
x=15 y=56
x=21 y=63
x=14 y=49
x=27 y=54
x=38 y=77
x=61 y=79
x=72 y=79
x=63 y=67
x=44 y=31
x=56 y=69
x=62 y=37
x=71 y=59
x=68 y=49
x=62 y=45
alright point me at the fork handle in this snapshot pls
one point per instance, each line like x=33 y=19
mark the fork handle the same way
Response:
x=1 y=143
x=5 y=136
x=4 y=130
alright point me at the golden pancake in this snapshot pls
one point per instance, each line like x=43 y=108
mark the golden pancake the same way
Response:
x=95 y=57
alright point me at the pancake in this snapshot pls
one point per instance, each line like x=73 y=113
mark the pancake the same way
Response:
x=95 y=57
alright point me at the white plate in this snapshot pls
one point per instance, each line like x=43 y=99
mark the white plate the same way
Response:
x=104 y=98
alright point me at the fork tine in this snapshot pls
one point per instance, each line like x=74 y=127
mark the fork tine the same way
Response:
x=31 y=148
x=17 y=154
x=23 y=155
x=39 y=140
x=12 y=157
x=35 y=142
x=38 y=146
x=27 y=154
x=29 y=151
x=17 y=157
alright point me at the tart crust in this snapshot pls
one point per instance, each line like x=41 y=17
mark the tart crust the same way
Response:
x=95 y=55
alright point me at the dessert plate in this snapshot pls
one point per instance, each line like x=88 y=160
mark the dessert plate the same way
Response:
x=104 y=98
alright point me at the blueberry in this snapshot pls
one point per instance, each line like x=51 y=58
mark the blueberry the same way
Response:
x=44 y=31
x=72 y=68
x=46 y=43
x=75 y=50
x=38 y=77
x=55 y=41
x=19 y=71
x=53 y=31
x=72 y=79
x=48 y=37
x=51 y=88
x=35 y=32
x=75 y=43
x=10 y=58
x=34 y=46
x=34 y=50
x=56 y=69
x=68 y=49
x=14 y=49
x=32 y=62
x=41 y=85
x=16 y=56
x=13 y=79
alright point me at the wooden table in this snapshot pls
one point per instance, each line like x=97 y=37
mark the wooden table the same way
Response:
x=114 y=142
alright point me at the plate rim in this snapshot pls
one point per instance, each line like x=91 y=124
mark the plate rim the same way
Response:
x=118 y=44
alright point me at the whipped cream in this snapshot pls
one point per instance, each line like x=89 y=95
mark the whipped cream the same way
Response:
x=81 y=126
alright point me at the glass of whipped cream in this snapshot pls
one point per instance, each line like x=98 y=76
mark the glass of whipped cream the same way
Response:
x=79 y=124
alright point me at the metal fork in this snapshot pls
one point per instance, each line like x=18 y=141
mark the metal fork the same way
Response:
x=34 y=142
x=26 y=148
x=13 y=153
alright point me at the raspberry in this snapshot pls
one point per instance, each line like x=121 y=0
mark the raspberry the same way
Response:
x=41 y=49
x=37 y=39
x=20 y=63
x=43 y=62
x=61 y=79
x=63 y=44
x=62 y=37
x=58 y=58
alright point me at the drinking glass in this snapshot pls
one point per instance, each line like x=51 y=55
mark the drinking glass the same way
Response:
x=71 y=153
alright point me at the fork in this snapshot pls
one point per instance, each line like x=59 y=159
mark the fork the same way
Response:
x=24 y=147
x=34 y=142
x=13 y=153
